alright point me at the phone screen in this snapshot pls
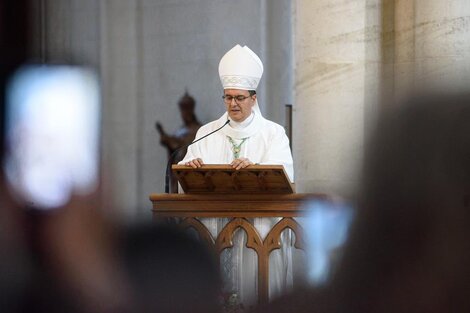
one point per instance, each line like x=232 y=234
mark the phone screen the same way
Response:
x=51 y=134
x=326 y=227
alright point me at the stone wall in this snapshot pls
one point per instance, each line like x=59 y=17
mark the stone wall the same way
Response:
x=351 y=59
x=339 y=62
x=148 y=52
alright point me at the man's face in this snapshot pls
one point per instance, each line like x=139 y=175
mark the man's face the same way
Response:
x=237 y=110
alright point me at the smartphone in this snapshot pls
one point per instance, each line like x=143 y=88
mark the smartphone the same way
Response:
x=326 y=227
x=51 y=134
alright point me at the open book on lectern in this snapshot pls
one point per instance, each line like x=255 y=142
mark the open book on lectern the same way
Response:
x=215 y=178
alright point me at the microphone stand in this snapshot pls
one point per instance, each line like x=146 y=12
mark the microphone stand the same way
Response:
x=170 y=159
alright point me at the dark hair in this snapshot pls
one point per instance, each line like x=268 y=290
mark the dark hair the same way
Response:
x=170 y=270
x=410 y=238
x=408 y=248
x=2 y=124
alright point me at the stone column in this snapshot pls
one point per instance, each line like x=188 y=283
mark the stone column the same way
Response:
x=122 y=114
x=336 y=54
x=348 y=55
x=434 y=41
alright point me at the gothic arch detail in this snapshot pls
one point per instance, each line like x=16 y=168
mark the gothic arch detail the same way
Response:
x=201 y=229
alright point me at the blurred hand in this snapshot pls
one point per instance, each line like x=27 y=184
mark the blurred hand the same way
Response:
x=79 y=243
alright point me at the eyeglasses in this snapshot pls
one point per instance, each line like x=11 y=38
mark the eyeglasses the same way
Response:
x=238 y=99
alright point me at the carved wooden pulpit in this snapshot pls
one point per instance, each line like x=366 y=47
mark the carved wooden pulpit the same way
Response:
x=220 y=191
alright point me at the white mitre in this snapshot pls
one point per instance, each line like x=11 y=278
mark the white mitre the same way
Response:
x=240 y=68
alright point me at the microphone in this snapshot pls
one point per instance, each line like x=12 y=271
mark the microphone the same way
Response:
x=170 y=159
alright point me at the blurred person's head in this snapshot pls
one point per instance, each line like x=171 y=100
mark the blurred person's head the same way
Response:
x=54 y=260
x=39 y=250
x=14 y=263
x=169 y=270
x=409 y=248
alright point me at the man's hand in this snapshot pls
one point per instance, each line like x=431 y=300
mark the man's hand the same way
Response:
x=195 y=163
x=240 y=163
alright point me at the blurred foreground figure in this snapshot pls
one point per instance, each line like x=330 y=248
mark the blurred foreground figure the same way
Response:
x=61 y=252
x=51 y=194
x=408 y=249
x=61 y=261
x=15 y=263
x=169 y=271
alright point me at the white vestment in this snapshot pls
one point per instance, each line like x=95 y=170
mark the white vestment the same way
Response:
x=266 y=143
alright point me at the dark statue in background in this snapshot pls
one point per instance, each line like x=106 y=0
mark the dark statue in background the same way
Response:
x=184 y=135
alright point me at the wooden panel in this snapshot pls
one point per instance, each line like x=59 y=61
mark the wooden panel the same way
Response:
x=239 y=207
x=231 y=205
x=201 y=229
x=262 y=248
x=223 y=179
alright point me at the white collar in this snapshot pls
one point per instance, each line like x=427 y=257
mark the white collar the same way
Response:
x=253 y=124
x=244 y=123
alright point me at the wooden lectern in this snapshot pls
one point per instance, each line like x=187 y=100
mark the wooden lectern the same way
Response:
x=223 y=179
x=220 y=191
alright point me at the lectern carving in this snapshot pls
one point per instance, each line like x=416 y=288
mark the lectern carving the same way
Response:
x=220 y=191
